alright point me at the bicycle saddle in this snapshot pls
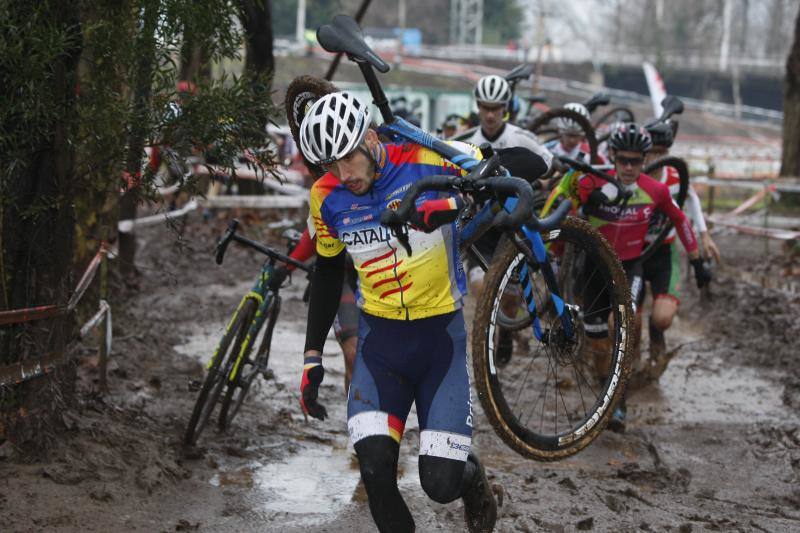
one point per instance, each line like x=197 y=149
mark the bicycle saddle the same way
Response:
x=520 y=72
x=596 y=101
x=344 y=35
x=671 y=105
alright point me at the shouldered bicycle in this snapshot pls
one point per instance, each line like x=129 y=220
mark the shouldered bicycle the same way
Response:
x=547 y=403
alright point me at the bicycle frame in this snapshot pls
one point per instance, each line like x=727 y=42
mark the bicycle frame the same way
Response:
x=263 y=295
x=396 y=127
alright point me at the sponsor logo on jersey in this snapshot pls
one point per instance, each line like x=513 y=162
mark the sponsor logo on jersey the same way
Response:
x=393 y=205
x=355 y=220
x=366 y=236
x=395 y=192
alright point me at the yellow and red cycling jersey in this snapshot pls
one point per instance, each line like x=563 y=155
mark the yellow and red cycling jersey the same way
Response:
x=392 y=284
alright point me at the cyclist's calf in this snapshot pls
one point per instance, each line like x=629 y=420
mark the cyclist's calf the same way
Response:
x=664 y=310
x=377 y=459
x=441 y=478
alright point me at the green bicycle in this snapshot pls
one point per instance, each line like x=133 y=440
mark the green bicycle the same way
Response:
x=233 y=367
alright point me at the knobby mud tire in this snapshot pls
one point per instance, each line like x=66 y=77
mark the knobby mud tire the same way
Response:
x=216 y=379
x=301 y=94
x=519 y=438
x=613 y=112
x=683 y=190
x=242 y=382
x=543 y=122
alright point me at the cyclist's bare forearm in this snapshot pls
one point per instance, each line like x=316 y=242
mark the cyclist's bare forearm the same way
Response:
x=326 y=290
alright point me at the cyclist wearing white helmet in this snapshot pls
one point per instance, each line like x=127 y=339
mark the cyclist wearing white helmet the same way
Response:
x=492 y=95
x=571 y=140
x=412 y=337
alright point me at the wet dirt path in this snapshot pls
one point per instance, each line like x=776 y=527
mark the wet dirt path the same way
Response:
x=714 y=446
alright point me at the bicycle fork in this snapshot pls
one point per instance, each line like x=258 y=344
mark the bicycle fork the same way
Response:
x=540 y=255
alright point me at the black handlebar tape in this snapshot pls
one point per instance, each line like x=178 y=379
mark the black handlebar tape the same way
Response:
x=624 y=194
x=222 y=245
x=407 y=205
x=555 y=219
x=518 y=187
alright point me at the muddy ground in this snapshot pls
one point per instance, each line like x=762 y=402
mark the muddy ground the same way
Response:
x=714 y=446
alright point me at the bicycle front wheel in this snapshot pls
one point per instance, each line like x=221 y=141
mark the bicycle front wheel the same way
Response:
x=221 y=365
x=552 y=398
x=249 y=367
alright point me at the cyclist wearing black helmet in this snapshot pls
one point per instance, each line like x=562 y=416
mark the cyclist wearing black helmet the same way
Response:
x=663 y=267
x=625 y=226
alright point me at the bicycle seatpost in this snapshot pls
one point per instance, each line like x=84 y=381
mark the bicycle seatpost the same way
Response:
x=379 y=97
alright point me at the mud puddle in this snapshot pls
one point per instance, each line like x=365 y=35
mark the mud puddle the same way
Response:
x=318 y=480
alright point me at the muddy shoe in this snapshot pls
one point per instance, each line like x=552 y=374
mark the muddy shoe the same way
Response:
x=659 y=357
x=480 y=508
x=658 y=345
x=505 y=347
x=617 y=422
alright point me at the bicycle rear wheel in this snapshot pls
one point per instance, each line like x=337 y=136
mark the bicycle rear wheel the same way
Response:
x=548 y=402
x=249 y=368
x=221 y=364
x=615 y=114
x=661 y=226
x=545 y=128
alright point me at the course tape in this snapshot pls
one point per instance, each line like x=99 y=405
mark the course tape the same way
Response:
x=25 y=370
x=29 y=314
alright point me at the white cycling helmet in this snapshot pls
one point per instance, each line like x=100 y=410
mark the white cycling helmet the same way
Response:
x=567 y=125
x=492 y=90
x=334 y=126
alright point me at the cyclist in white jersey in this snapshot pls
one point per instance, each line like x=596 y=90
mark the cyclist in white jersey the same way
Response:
x=493 y=95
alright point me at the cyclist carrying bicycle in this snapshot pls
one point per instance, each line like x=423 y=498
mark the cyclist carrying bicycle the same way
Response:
x=412 y=338
x=571 y=140
x=492 y=95
x=663 y=267
x=625 y=226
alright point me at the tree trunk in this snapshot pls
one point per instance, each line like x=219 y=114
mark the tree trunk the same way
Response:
x=790 y=161
x=38 y=221
x=256 y=19
x=146 y=48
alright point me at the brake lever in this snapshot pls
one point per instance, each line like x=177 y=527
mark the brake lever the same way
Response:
x=401 y=232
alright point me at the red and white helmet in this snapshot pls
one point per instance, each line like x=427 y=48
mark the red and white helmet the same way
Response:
x=492 y=89
x=333 y=127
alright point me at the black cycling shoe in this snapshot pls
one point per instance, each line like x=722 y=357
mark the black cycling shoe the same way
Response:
x=480 y=507
x=505 y=347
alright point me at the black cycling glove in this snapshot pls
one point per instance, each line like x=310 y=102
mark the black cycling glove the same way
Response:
x=701 y=272
x=596 y=199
